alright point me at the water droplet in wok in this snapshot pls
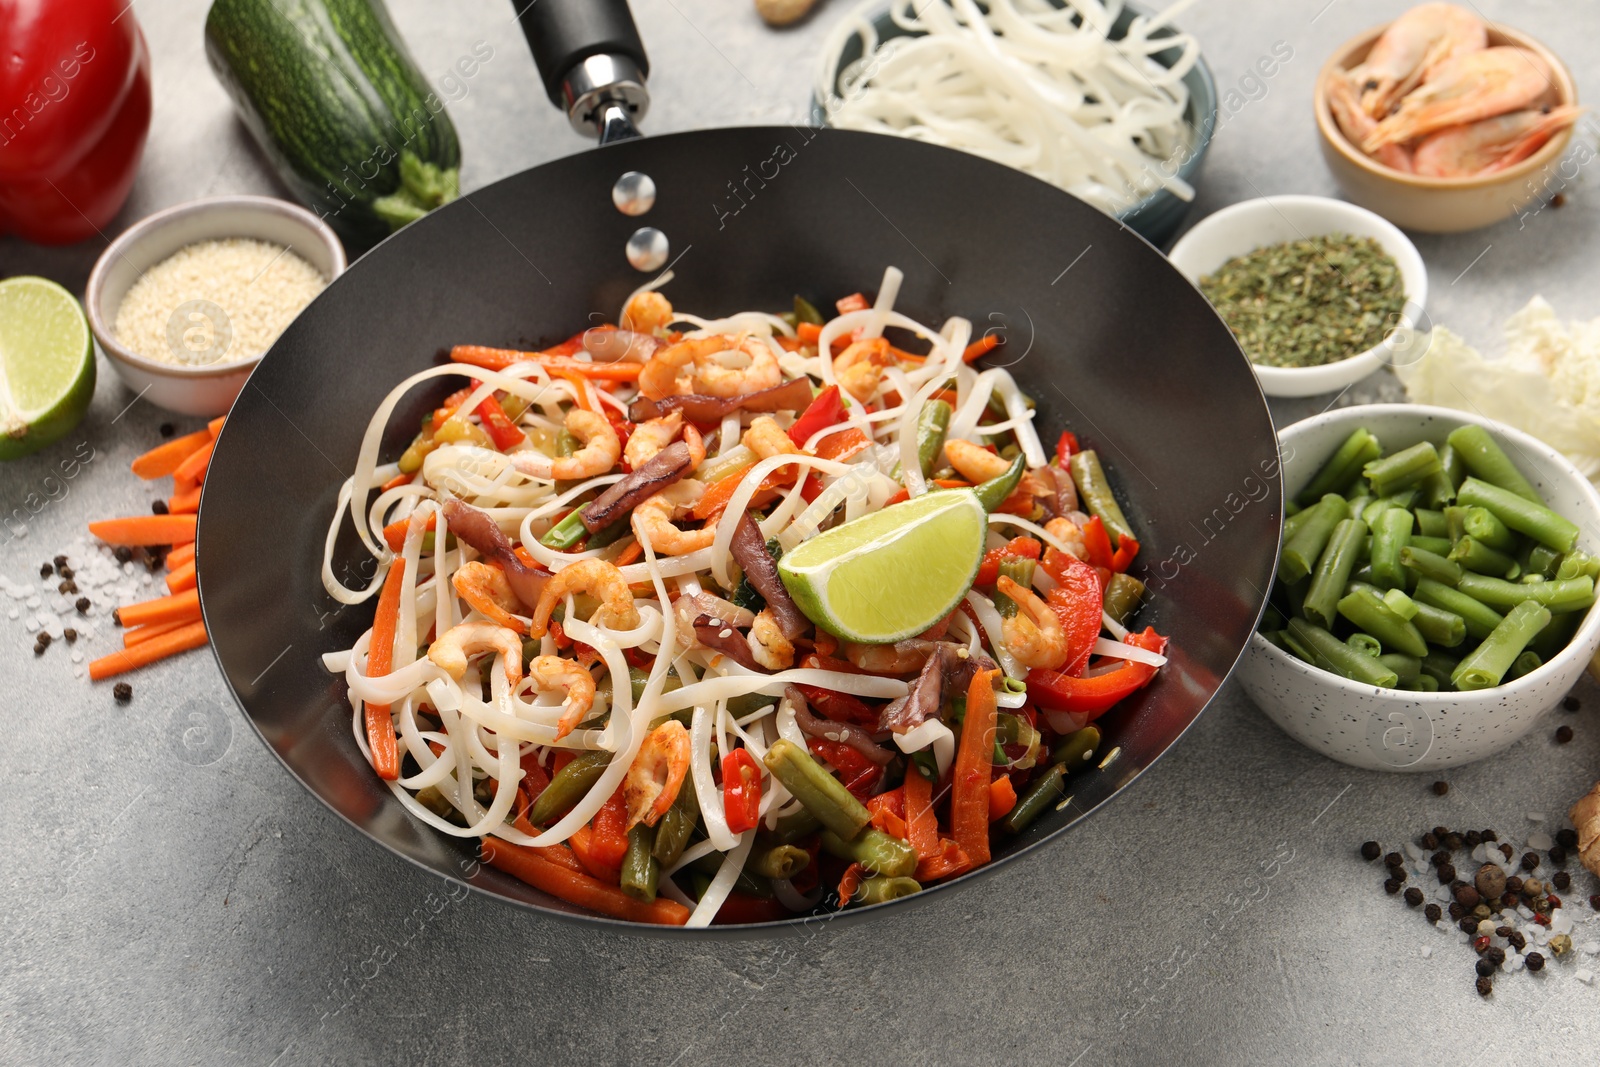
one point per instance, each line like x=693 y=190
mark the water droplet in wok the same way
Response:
x=647 y=249
x=634 y=193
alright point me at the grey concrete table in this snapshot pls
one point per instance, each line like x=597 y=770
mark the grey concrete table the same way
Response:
x=172 y=896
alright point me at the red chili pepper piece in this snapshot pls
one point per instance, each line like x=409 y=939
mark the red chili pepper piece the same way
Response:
x=1098 y=543
x=1097 y=695
x=1066 y=445
x=1016 y=548
x=826 y=410
x=741 y=790
x=840 y=707
x=502 y=431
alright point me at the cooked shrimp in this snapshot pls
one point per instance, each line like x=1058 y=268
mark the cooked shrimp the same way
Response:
x=1067 y=532
x=1357 y=125
x=487 y=590
x=600 y=580
x=656 y=774
x=1489 y=145
x=859 y=368
x=453 y=648
x=647 y=312
x=552 y=674
x=1034 y=634
x=1415 y=45
x=663 y=375
x=749 y=366
x=653 y=520
x=600 y=452
x=766 y=438
x=768 y=646
x=974 y=462
x=651 y=437
x=1478 y=85
x=887 y=659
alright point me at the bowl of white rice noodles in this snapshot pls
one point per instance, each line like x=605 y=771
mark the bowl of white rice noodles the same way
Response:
x=1114 y=105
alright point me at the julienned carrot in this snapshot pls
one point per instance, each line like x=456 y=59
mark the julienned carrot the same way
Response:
x=396 y=482
x=394 y=534
x=501 y=358
x=851 y=881
x=158 y=647
x=922 y=826
x=193 y=469
x=145 y=530
x=969 y=783
x=186 y=502
x=579 y=889
x=163 y=459
x=140 y=634
x=184 y=605
x=719 y=492
x=585 y=389
x=981 y=347
x=380 y=657
x=1002 y=798
x=808 y=332
x=181 y=577
x=630 y=554
x=180 y=555
x=214 y=427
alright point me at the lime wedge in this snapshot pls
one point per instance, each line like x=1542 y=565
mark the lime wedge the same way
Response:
x=892 y=574
x=46 y=364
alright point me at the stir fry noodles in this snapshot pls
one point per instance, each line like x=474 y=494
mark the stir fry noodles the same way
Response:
x=694 y=620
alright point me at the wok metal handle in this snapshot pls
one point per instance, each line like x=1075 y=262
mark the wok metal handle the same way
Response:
x=592 y=61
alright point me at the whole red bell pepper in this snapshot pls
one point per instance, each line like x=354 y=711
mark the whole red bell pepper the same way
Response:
x=74 y=112
x=1098 y=694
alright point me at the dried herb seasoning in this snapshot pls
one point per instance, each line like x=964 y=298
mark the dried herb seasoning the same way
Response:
x=1310 y=302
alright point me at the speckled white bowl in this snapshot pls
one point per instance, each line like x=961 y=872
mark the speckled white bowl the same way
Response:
x=1392 y=730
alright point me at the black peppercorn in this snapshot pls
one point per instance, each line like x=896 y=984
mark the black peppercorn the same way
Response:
x=1535 y=961
x=1508 y=901
x=1566 y=837
x=1485 y=987
x=1473 y=839
x=1399 y=874
x=1467 y=896
x=1484 y=968
x=1489 y=835
x=116 y=616
x=1370 y=851
x=1495 y=955
x=1468 y=924
x=1429 y=842
x=38 y=648
x=1456 y=911
x=1414 y=897
x=166 y=429
x=1502 y=931
x=1561 y=880
x=45 y=570
x=60 y=561
x=1441 y=788
x=123 y=692
x=43 y=639
x=1447 y=874
x=1507 y=851
x=1571 y=704
x=1563 y=735
x=158 y=507
x=1530 y=861
x=82 y=604
x=1453 y=841
x=1513 y=884
x=1558 y=856
x=123 y=554
x=1481 y=911
x=1594 y=901
x=1439 y=858
x=1391 y=886
x=1441 y=832
x=1518 y=941
x=70 y=634
x=67 y=587
x=1394 y=859
x=1432 y=912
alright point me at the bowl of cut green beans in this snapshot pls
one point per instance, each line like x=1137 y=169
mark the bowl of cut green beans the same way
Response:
x=1434 y=590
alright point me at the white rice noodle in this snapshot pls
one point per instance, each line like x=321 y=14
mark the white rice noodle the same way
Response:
x=930 y=733
x=1121 y=650
x=716 y=893
x=1115 y=628
x=992 y=624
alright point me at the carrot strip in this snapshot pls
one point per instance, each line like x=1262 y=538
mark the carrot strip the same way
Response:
x=1002 y=798
x=580 y=889
x=719 y=492
x=850 y=881
x=380 y=657
x=186 y=502
x=163 y=459
x=214 y=427
x=809 y=333
x=922 y=826
x=630 y=554
x=158 y=647
x=946 y=860
x=180 y=555
x=585 y=398
x=981 y=347
x=145 y=530
x=140 y=634
x=194 y=468
x=181 y=577
x=396 y=482
x=394 y=534
x=501 y=358
x=969 y=784
x=184 y=605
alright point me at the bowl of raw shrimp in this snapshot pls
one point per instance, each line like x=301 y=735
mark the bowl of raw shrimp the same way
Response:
x=1442 y=122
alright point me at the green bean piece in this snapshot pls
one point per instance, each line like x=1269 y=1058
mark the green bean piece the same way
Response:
x=1454 y=469
x=568 y=787
x=1301 y=552
x=1043 y=793
x=1526 y=663
x=1426 y=683
x=566 y=533
x=1405 y=468
x=1431 y=565
x=1487 y=664
x=779 y=861
x=676 y=826
x=1438 y=626
x=1343 y=468
x=1360 y=502
x=1435 y=490
x=609 y=535
x=1430 y=523
x=1272 y=619
x=1124 y=593
x=749 y=703
x=806 y=311
x=792 y=827
x=1372 y=615
x=1481 y=525
x=1333 y=571
x=993 y=493
x=1455 y=523
x=1390 y=534
x=1578 y=564
x=1574 y=594
x=874 y=850
x=816 y=789
x=1402 y=500
x=638 y=678
x=1399 y=603
x=1333 y=655
x=1439 y=546
x=1478 y=618
x=1365 y=644
x=1363 y=573
x=1409 y=668
x=1485 y=461
x=932 y=423
x=1076 y=748
x=1439 y=667
x=1523 y=516
x=1275 y=637
x=1296 y=647
x=640 y=870
x=1019 y=571
x=1557 y=635
x=880 y=890
x=1095 y=493
x=1479 y=558
x=1292 y=523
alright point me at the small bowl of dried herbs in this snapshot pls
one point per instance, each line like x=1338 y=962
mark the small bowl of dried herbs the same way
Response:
x=1319 y=293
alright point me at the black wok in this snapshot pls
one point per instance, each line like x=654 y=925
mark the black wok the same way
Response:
x=1109 y=338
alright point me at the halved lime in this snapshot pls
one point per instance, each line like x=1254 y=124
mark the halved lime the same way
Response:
x=46 y=364
x=892 y=574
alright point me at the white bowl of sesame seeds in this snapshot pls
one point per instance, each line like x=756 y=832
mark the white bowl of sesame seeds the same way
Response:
x=185 y=302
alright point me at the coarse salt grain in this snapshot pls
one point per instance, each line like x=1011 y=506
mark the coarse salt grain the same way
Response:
x=259 y=286
x=1536 y=816
x=1584 y=975
x=1540 y=841
x=1427 y=952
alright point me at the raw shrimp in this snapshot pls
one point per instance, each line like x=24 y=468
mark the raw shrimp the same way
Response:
x=973 y=462
x=647 y=312
x=1357 y=125
x=600 y=452
x=1488 y=145
x=768 y=646
x=656 y=774
x=859 y=368
x=487 y=590
x=651 y=437
x=552 y=674
x=1411 y=49
x=1034 y=634
x=1478 y=85
x=453 y=648
x=600 y=580
x=766 y=438
x=653 y=519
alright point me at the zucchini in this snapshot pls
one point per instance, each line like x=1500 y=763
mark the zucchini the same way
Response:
x=335 y=101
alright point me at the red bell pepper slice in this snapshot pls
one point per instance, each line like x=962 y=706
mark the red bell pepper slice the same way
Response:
x=853 y=302
x=840 y=707
x=1016 y=548
x=741 y=790
x=1066 y=445
x=827 y=409
x=858 y=773
x=1097 y=542
x=1122 y=558
x=610 y=828
x=502 y=431
x=1079 y=602
x=1097 y=695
